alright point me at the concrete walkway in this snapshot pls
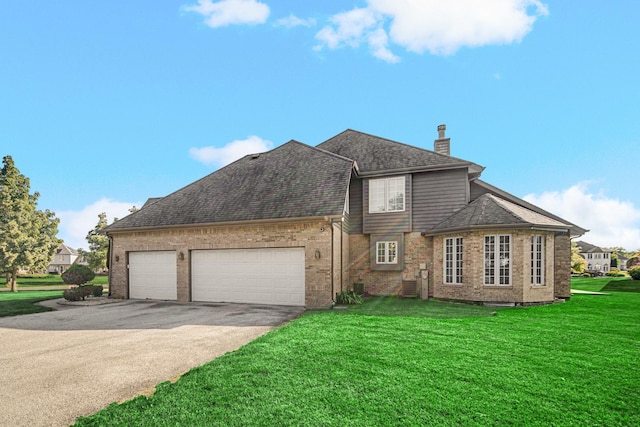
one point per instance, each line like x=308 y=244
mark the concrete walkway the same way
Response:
x=581 y=292
x=59 y=365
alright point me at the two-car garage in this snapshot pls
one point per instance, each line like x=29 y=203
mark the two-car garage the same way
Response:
x=257 y=276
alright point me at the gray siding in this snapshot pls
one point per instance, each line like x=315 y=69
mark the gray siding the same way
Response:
x=355 y=206
x=437 y=195
x=476 y=191
x=386 y=222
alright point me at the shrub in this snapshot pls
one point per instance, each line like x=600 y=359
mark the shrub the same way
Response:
x=586 y=275
x=348 y=297
x=635 y=273
x=79 y=293
x=97 y=290
x=77 y=275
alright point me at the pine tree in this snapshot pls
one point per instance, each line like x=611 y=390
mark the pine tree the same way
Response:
x=27 y=235
x=98 y=245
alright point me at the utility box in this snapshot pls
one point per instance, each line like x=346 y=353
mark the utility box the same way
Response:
x=423 y=284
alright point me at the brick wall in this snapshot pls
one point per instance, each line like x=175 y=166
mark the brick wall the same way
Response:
x=473 y=288
x=314 y=237
x=562 y=264
x=385 y=282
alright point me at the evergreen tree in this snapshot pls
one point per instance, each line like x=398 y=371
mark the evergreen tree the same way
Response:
x=98 y=245
x=27 y=235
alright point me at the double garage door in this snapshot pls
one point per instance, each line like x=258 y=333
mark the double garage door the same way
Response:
x=258 y=276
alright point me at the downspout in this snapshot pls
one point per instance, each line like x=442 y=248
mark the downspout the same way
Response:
x=333 y=301
x=333 y=222
x=110 y=261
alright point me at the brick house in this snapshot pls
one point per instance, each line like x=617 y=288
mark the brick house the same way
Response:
x=298 y=224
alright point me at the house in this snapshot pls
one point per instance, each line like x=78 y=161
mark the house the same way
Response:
x=298 y=224
x=598 y=259
x=622 y=261
x=64 y=258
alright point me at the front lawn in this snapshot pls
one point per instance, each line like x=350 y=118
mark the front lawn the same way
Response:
x=23 y=302
x=50 y=280
x=564 y=364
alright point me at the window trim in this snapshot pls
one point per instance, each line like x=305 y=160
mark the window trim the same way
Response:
x=387 y=252
x=455 y=263
x=538 y=252
x=385 y=183
x=496 y=274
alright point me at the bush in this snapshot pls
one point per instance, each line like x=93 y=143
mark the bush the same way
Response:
x=586 y=275
x=78 y=275
x=348 y=297
x=635 y=273
x=79 y=293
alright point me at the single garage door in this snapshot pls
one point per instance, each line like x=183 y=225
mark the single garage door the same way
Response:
x=152 y=275
x=255 y=276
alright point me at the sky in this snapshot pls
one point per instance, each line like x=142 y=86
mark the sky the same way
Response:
x=105 y=104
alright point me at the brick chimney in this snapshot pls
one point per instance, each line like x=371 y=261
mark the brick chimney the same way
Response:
x=442 y=145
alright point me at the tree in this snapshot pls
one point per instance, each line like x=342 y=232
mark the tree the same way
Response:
x=27 y=235
x=98 y=245
x=78 y=274
x=578 y=264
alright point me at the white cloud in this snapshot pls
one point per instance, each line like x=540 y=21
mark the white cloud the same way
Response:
x=213 y=156
x=74 y=225
x=293 y=21
x=611 y=222
x=439 y=27
x=230 y=12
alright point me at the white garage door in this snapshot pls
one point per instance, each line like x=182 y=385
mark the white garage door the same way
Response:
x=153 y=275
x=256 y=276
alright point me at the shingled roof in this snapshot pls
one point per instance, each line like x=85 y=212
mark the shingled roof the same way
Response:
x=489 y=211
x=293 y=180
x=587 y=248
x=375 y=155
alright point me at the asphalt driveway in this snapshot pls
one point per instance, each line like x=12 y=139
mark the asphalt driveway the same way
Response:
x=57 y=366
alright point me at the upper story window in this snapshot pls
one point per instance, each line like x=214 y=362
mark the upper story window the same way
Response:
x=386 y=195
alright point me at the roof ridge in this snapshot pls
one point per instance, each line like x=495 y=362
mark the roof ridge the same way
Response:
x=399 y=143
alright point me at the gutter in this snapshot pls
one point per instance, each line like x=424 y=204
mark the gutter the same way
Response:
x=469 y=228
x=325 y=218
x=401 y=171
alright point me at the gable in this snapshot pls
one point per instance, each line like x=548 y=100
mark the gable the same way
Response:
x=291 y=181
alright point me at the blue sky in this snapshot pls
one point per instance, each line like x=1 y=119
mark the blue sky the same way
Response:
x=104 y=104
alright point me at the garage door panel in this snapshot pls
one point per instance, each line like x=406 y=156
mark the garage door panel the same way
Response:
x=261 y=276
x=153 y=275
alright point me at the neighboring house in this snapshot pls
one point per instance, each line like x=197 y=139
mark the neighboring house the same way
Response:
x=622 y=262
x=64 y=258
x=598 y=259
x=297 y=224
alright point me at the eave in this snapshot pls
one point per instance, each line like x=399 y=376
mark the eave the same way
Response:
x=275 y=221
x=496 y=227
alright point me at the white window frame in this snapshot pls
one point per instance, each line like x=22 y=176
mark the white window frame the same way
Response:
x=497 y=260
x=380 y=194
x=389 y=252
x=537 y=260
x=453 y=259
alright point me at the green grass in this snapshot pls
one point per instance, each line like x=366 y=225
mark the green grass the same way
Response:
x=605 y=284
x=50 y=280
x=564 y=364
x=23 y=302
x=416 y=307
